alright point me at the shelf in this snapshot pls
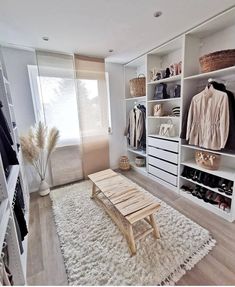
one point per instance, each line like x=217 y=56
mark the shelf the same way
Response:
x=217 y=73
x=11 y=181
x=213 y=208
x=163 y=117
x=142 y=170
x=139 y=152
x=208 y=150
x=4 y=218
x=136 y=99
x=167 y=80
x=164 y=100
x=224 y=172
x=207 y=187
x=165 y=138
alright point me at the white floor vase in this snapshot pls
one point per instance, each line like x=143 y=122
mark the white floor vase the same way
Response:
x=44 y=188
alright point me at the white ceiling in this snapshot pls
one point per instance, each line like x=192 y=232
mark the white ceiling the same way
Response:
x=92 y=27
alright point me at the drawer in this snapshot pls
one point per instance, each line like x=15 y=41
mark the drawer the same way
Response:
x=172 y=179
x=162 y=154
x=172 y=168
x=163 y=144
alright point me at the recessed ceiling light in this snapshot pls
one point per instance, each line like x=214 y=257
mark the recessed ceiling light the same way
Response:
x=157 y=14
x=45 y=38
x=110 y=50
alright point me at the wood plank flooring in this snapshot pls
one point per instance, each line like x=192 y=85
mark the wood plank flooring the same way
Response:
x=45 y=261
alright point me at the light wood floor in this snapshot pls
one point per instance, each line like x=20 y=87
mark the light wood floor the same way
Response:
x=45 y=262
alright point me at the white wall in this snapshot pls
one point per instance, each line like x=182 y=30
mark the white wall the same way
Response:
x=16 y=61
x=116 y=87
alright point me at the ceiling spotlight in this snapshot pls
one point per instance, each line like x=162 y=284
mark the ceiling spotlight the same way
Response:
x=45 y=38
x=157 y=14
x=110 y=50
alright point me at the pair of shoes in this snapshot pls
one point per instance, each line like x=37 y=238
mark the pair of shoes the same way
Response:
x=186 y=188
x=226 y=186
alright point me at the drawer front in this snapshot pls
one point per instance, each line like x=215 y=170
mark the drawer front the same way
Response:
x=172 y=179
x=172 y=168
x=163 y=144
x=162 y=154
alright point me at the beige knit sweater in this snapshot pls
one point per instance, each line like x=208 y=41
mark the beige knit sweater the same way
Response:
x=208 y=119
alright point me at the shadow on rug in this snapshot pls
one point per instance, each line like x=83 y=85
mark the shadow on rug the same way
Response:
x=96 y=253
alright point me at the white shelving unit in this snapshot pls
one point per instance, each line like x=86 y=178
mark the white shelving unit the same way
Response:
x=8 y=233
x=170 y=155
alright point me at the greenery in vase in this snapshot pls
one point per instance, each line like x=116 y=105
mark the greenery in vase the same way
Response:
x=38 y=145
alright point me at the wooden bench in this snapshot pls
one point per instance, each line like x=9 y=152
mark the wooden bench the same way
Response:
x=125 y=204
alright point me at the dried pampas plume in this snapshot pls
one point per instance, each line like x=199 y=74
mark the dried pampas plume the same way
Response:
x=37 y=147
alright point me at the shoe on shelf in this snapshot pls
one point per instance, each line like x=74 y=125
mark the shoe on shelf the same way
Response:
x=208 y=195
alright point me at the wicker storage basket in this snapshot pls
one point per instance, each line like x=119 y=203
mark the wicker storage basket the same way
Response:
x=217 y=60
x=124 y=163
x=138 y=86
x=207 y=160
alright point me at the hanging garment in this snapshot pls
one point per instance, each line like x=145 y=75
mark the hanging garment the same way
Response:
x=143 y=138
x=230 y=144
x=208 y=119
x=19 y=194
x=135 y=127
x=20 y=219
x=4 y=125
x=18 y=235
x=7 y=276
x=7 y=152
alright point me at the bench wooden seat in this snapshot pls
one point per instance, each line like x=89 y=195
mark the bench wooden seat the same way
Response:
x=131 y=204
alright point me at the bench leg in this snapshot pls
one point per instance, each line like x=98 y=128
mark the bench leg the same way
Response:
x=93 y=191
x=156 y=232
x=130 y=239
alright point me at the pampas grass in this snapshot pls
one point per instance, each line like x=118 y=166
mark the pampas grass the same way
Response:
x=37 y=147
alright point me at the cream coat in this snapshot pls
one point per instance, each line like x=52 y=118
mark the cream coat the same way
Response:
x=208 y=119
x=135 y=127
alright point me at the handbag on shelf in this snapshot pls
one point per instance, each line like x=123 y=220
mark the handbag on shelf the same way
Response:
x=160 y=92
x=167 y=129
x=158 y=110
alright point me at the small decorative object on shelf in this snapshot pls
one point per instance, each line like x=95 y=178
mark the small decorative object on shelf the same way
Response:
x=124 y=163
x=140 y=161
x=176 y=111
x=217 y=60
x=158 y=110
x=138 y=86
x=167 y=129
x=207 y=160
x=37 y=147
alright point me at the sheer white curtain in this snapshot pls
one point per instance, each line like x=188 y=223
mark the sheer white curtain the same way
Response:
x=58 y=99
x=94 y=112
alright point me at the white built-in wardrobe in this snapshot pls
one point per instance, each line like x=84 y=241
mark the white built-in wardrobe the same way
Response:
x=166 y=157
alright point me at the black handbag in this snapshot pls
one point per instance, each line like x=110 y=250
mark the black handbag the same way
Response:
x=160 y=92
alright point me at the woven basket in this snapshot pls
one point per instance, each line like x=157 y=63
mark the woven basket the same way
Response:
x=207 y=160
x=217 y=60
x=138 y=86
x=124 y=163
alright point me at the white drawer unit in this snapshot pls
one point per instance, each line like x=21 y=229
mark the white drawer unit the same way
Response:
x=170 y=178
x=169 y=167
x=163 y=144
x=164 y=155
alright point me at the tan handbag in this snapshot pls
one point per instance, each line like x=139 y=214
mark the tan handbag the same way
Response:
x=158 y=110
x=207 y=160
x=167 y=129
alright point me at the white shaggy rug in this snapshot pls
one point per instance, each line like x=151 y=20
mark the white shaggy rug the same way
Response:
x=96 y=253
